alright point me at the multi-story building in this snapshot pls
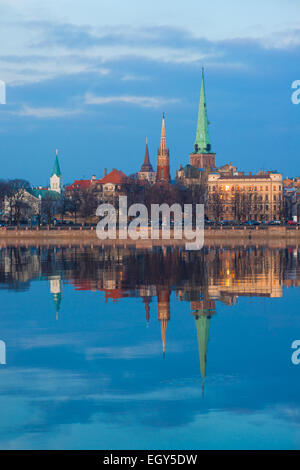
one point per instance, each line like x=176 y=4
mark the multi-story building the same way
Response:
x=236 y=196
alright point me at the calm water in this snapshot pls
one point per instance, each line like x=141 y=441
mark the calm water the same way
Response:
x=121 y=349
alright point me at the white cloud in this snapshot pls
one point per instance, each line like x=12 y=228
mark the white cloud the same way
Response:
x=131 y=77
x=131 y=352
x=215 y=20
x=47 y=112
x=45 y=40
x=144 y=101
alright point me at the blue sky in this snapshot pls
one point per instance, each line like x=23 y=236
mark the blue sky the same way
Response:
x=93 y=80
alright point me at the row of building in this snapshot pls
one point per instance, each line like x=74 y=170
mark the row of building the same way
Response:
x=230 y=194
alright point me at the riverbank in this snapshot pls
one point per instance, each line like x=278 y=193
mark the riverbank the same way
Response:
x=229 y=236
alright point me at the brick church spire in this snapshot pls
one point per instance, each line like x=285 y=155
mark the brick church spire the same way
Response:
x=147 y=165
x=163 y=163
x=146 y=172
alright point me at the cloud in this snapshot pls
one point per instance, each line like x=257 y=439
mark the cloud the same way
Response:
x=143 y=101
x=131 y=352
x=47 y=112
x=22 y=70
x=42 y=50
x=132 y=77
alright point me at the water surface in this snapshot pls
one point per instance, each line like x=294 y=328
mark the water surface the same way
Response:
x=123 y=349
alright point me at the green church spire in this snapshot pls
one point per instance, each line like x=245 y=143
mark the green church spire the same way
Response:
x=202 y=324
x=202 y=142
x=56 y=169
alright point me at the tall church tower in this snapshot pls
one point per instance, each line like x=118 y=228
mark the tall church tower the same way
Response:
x=202 y=157
x=163 y=309
x=163 y=163
x=56 y=178
x=146 y=172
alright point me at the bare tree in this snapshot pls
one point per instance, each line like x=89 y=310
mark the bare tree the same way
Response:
x=48 y=207
x=216 y=204
x=15 y=194
x=74 y=202
x=88 y=203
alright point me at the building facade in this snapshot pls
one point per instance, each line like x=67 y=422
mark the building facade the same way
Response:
x=241 y=197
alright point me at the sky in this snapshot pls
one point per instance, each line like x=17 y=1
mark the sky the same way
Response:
x=93 y=78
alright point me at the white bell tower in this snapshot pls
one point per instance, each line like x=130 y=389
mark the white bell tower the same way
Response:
x=56 y=178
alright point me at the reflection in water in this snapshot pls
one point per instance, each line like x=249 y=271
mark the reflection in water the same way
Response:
x=201 y=278
x=171 y=280
x=55 y=289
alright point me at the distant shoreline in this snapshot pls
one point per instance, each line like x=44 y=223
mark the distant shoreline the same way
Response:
x=270 y=236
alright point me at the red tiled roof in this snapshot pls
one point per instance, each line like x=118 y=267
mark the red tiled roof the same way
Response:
x=79 y=184
x=115 y=177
